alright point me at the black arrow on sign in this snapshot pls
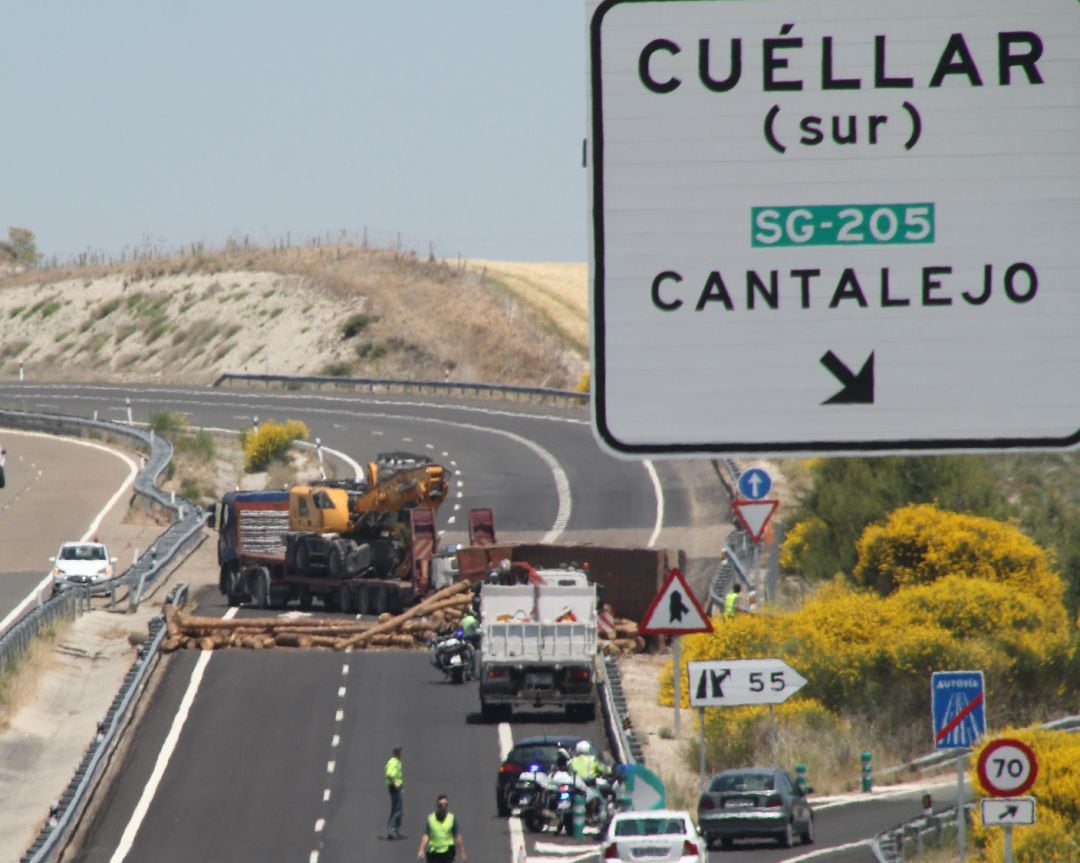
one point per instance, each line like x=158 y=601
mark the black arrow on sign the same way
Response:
x=1010 y=811
x=858 y=389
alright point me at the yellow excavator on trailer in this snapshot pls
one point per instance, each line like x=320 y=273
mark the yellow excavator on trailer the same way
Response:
x=356 y=528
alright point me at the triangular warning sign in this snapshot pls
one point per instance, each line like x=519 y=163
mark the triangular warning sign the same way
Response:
x=675 y=610
x=755 y=514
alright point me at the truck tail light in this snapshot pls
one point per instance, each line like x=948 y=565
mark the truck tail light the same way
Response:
x=580 y=674
x=497 y=674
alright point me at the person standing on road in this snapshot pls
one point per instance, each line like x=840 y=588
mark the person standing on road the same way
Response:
x=394 y=783
x=442 y=834
x=731 y=600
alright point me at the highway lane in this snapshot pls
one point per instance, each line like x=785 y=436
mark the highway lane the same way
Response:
x=498 y=447
x=267 y=768
x=56 y=487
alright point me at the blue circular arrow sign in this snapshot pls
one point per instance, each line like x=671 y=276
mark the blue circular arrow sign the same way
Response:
x=754 y=483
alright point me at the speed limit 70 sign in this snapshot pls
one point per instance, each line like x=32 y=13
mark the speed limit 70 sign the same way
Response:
x=1007 y=767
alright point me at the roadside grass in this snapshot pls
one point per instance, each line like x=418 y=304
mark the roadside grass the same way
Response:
x=19 y=678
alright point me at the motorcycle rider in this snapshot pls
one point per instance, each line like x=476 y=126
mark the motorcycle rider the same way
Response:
x=587 y=767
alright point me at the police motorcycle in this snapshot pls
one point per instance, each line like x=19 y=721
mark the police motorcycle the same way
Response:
x=453 y=656
x=529 y=798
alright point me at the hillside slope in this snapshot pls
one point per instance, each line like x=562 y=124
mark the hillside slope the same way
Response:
x=341 y=310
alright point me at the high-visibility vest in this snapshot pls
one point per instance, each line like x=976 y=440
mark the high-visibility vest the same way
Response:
x=393 y=772
x=440 y=834
x=729 y=604
x=468 y=625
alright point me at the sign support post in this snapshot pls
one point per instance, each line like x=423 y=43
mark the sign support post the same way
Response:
x=675 y=611
x=961 y=802
x=677 y=674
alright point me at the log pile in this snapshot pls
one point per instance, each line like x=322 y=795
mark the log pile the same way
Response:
x=625 y=640
x=414 y=628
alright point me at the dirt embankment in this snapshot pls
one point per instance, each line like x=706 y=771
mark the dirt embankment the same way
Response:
x=315 y=310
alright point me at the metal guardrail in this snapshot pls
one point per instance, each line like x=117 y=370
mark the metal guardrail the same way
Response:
x=624 y=742
x=176 y=538
x=918 y=835
x=387 y=385
x=929 y=831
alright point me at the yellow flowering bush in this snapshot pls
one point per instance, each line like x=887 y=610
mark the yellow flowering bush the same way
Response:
x=921 y=543
x=799 y=540
x=270 y=441
x=1055 y=836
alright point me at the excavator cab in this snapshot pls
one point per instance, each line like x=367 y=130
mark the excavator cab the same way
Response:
x=319 y=509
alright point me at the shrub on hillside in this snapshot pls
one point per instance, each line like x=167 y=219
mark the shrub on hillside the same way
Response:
x=921 y=543
x=868 y=655
x=270 y=442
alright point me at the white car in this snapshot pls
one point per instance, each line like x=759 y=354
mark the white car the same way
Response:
x=656 y=836
x=81 y=563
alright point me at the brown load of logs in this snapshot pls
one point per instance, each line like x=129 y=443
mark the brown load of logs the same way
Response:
x=414 y=628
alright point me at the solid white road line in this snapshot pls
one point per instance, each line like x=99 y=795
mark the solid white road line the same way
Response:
x=123 y=848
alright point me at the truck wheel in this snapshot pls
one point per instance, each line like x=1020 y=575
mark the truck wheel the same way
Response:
x=377 y=599
x=336 y=560
x=345 y=599
x=584 y=712
x=393 y=602
x=261 y=577
x=363 y=600
x=303 y=557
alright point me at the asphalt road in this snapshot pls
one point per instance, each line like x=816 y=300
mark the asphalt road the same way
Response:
x=281 y=754
x=54 y=488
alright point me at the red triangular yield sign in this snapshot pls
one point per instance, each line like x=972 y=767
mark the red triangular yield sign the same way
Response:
x=674 y=610
x=755 y=514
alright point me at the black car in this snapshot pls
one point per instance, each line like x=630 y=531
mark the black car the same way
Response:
x=543 y=751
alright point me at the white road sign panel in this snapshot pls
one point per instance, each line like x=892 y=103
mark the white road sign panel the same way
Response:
x=844 y=226
x=716 y=683
x=1004 y=811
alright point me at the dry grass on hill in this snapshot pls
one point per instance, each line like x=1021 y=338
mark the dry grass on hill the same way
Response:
x=340 y=310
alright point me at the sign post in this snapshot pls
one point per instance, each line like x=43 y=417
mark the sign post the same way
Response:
x=734 y=682
x=1006 y=767
x=669 y=614
x=854 y=193
x=958 y=707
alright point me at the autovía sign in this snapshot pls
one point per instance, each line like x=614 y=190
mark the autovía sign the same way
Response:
x=959 y=708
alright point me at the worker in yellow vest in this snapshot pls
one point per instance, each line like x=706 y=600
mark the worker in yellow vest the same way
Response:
x=442 y=835
x=732 y=601
x=394 y=782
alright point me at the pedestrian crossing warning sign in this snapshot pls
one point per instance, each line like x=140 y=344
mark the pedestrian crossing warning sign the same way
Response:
x=675 y=610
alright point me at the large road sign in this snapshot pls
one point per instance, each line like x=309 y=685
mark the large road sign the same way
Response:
x=819 y=231
x=958 y=706
x=718 y=683
x=1007 y=767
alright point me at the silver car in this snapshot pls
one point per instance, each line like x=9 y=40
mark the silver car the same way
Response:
x=653 y=836
x=755 y=802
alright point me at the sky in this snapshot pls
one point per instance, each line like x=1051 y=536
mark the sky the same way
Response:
x=452 y=128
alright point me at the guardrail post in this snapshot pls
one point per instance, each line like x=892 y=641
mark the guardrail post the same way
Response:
x=800 y=778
